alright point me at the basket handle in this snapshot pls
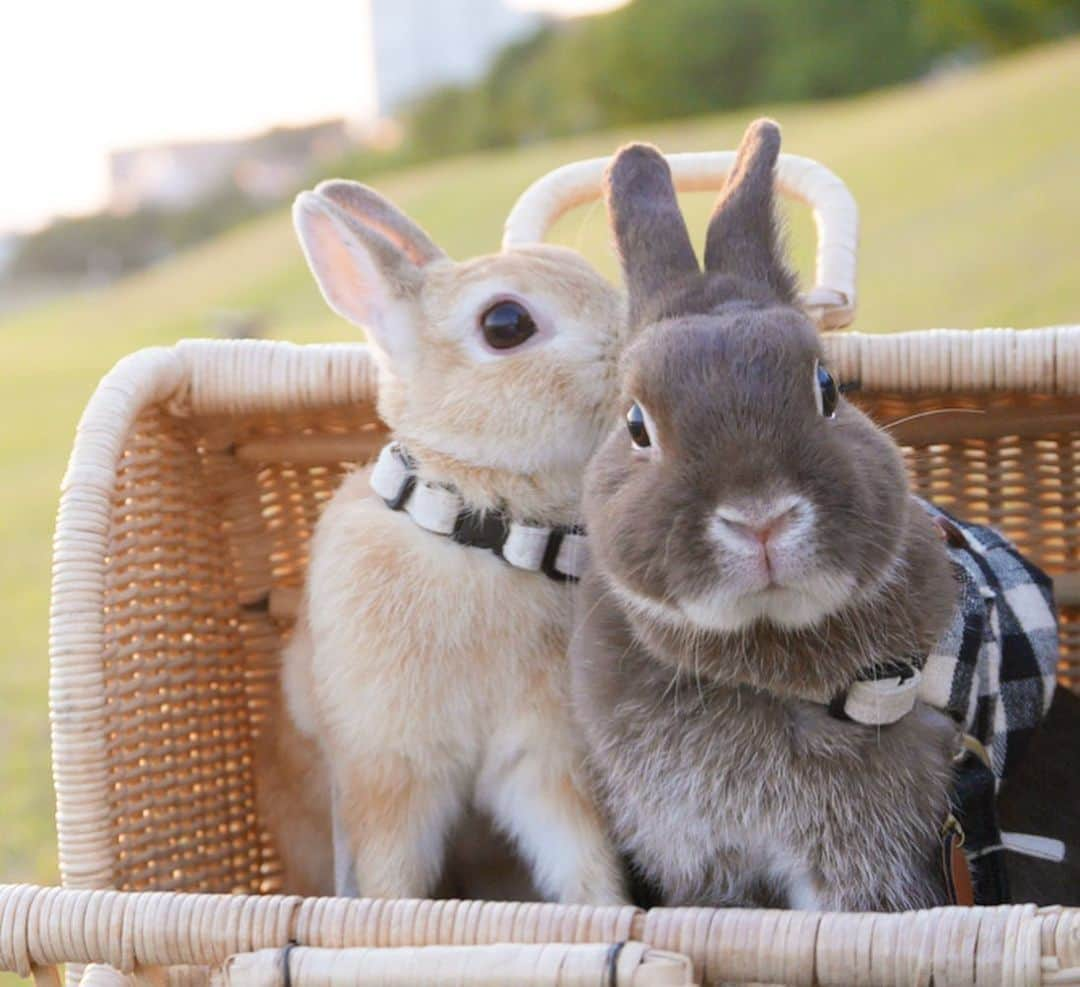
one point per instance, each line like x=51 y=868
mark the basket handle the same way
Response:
x=831 y=302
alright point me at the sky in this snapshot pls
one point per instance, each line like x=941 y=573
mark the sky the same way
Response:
x=81 y=77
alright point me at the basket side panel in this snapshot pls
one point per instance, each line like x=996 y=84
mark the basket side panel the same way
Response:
x=178 y=737
x=273 y=472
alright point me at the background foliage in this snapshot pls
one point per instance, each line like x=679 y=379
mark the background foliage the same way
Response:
x=652 y=60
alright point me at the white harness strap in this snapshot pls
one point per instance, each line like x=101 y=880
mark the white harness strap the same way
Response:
x=525 y=546
x=878 y=702
x=391 y=472
x=1039 y=847
x=439 y=508
x=573 y=554
x=432 y=506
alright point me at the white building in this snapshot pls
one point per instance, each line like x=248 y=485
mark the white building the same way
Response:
x=266 y=167
x=418 y=45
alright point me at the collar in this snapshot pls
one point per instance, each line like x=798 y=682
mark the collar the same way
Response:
x=880 y=695
x=559 y=553
x=886 y=693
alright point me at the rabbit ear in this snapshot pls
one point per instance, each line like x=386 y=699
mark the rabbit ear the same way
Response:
x=366 y=206
x=364 y=276
x=743 y=238
x=650 y=232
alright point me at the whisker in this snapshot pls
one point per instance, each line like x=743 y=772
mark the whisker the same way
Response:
x=933 y=411
x=586 y=215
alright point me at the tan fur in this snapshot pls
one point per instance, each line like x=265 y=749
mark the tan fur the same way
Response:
x=293 y=791
x=435 y=675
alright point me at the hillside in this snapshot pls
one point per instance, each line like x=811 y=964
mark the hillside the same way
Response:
x=970 y=207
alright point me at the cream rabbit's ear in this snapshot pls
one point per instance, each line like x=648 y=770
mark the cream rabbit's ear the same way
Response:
x=743 y=238
x=369 y=208
x=364 y=276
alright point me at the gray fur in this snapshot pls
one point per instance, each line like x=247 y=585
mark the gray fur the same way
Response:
x=743 y=236
x=650 y=235
x=726 y=780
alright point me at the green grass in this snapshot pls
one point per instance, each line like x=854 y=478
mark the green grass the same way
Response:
x=970 y=204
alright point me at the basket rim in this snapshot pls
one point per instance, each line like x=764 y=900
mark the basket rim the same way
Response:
x=238 y=376
x=1013 y=944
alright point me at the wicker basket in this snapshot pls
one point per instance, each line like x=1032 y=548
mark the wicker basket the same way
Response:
x=196 y=478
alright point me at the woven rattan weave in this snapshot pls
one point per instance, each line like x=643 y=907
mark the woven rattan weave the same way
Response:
x=946 y=947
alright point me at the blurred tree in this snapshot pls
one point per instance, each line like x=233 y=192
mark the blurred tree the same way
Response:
x=999 y=25
x=101 y=246
x=651 y=60
x=829 y=48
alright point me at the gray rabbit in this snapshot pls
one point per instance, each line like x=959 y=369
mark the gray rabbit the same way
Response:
x=755 y=548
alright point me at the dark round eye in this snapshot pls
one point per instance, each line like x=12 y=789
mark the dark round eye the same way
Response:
x=507 y=324
x=825 y=391
x=635 y=423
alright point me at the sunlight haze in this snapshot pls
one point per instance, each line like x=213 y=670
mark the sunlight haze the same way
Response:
x=80 y=79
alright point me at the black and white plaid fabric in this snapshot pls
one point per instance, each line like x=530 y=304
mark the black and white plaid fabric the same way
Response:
x=994 y=669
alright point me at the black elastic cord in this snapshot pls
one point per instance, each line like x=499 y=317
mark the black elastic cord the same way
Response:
x=611 y=964
x=902 y=670
x=948 y=839
x=286 y=973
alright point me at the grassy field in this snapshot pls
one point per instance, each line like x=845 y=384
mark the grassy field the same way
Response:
x=970 y=208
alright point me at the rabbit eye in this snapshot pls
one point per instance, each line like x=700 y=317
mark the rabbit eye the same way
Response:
x=507 y=324
x=635 y=423
x=826 y=393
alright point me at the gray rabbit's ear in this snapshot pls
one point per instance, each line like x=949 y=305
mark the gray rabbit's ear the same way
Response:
x=744 y=238
x=650 y=232
x=364 y=276
x=369 y=208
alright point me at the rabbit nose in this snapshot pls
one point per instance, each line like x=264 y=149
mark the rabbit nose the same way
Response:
x=758 y=525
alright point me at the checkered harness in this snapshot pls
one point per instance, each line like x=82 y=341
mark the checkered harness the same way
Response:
x=993 y=670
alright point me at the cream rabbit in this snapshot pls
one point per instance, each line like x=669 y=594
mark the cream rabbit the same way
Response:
x=432 y=669
x=755 y=553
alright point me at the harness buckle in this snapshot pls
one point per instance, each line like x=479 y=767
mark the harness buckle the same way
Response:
x=955 y=868
x=879 y=696
x=401 y=498
x=952 y=825
x=972 y=745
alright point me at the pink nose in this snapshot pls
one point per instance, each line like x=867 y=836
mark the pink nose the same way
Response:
x=765 y=531
x=760 y=532
x=759 y=527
